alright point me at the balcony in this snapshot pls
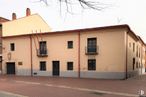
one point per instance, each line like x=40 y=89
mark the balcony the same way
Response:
x=91 y=50
x=42 y=52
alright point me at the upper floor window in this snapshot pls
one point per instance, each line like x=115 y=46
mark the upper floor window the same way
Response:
x=42 y=47
x=137 y=51
x=91 y=45
x=130 y=44
x=133 y=47
x=12 y=46
x=70 y=44
x=91 y=42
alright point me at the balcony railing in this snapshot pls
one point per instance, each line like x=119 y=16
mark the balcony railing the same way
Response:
x=91 y=50
x=42 y=52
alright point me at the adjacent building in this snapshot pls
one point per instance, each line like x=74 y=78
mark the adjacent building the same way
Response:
x=110 y=52
x=2 y=20
x=31 y=23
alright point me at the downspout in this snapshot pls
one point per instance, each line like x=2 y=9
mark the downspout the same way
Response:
x=31 y=55
x=126 y=76
x=79 y=54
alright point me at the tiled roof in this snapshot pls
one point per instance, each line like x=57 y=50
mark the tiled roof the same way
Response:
x=3 y=20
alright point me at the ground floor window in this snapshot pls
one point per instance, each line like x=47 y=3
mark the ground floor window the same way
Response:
x=136 y=64
x=133 y=63
x=43 y=66
x=91 y=64
x=0 y=58
x=69 y=65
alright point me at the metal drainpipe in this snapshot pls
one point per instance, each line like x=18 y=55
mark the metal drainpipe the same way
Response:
x=31 y=55
x=126 y=55
x=79 y=54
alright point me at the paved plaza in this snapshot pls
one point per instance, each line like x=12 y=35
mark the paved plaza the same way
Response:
x=18 y=86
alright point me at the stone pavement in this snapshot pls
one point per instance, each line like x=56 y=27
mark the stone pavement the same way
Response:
x=16 y=86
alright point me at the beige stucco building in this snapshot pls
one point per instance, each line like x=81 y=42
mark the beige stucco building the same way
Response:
x=111 y=52
x=2 y=20
x=31 y=23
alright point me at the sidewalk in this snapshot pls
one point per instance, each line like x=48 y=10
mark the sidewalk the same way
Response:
x=38 y=86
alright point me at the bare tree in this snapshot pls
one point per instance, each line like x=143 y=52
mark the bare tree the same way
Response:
x=85 y=4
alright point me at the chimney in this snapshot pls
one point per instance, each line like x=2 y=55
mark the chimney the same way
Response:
x=28 y=12
x=14 y=16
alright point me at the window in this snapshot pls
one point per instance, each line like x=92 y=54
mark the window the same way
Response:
x=42 y=48
x=129 y=44
x=0 y=44
x=12 y=47
x=91 y=45
x=137 y=51
x=42 y=66
x=91 y=64
x=0 y=58
x=69 y=65
x=137 y=64
x=70 y=44
x=133 y=63
x=133 y=47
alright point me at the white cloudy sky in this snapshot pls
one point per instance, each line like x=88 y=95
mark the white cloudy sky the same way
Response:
x=132 y=12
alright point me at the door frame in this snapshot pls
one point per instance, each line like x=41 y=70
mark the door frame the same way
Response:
x=58 y=69
x=7 y=63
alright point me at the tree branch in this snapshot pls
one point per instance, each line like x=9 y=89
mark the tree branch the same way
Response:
x=85 y=4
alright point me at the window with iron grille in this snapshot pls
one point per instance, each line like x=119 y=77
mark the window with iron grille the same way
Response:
x=69 y=65
x=70 y=44
x=42 y=47
x=91 y=45
x=43 y=66
x=91 y=64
